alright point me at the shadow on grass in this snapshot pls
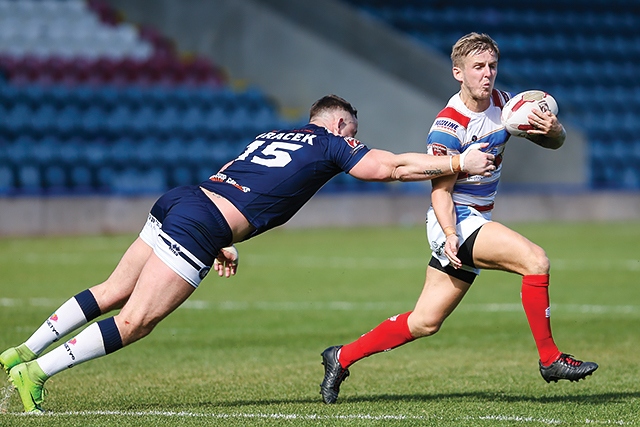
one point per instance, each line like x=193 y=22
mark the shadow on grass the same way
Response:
x=589 y=399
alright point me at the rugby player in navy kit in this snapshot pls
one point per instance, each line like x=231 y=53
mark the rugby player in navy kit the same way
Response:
x=191 y=229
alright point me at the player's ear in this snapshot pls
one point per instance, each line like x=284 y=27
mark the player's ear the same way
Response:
x=340 y=124
x=457 y=73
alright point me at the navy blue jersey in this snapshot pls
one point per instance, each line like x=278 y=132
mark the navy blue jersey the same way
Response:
x=281 y=170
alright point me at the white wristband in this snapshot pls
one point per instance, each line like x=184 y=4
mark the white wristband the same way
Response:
x=463 y=155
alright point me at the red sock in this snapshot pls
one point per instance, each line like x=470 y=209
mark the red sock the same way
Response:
x=535 y=300
x=388 y=335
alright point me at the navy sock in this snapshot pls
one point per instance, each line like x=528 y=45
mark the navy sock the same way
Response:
x=88 y=305
x=110 y=335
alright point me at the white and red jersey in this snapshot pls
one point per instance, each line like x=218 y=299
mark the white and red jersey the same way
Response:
x=455 y=129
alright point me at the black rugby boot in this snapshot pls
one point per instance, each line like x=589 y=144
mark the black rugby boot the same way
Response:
x=334 y=375
x=567 y=368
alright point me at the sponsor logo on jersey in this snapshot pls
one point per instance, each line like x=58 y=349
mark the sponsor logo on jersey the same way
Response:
x=54 y=317
x=221 y=177
x=446 y=124
x=438 y=149
x=352 y=142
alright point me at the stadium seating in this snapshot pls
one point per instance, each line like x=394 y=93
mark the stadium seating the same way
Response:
x=585 y=56
x=91 y=104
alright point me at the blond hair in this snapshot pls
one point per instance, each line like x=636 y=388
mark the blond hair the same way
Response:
x=472 y=43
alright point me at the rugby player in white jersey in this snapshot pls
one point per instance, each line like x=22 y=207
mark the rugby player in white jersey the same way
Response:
x=189 y=230
x=462 y=237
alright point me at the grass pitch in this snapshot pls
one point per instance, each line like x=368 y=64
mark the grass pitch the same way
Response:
x=246 y=350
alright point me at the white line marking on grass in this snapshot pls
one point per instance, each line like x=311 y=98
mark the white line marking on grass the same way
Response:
x=226 y=416
x=516 y=418
x=315 y=417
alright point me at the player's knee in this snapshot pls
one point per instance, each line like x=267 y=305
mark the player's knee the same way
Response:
x=423 y=327
x=132 y=328
x=425 y=330
x=538 y=262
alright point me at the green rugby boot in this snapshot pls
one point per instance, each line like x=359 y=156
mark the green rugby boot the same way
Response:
x=14 y=356
x=29 y=380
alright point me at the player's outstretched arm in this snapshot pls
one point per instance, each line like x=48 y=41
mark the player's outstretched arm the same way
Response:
x=381 y=165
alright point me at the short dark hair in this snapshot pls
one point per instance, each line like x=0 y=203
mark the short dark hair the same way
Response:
x=330 y=103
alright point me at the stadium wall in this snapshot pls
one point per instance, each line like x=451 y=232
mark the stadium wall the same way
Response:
x=118 y=215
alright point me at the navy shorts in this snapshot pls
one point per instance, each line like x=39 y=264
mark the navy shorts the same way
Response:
x=186 y=231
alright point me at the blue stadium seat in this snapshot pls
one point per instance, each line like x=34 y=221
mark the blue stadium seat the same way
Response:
x=68 y=122
x=120 y=153
x=134 y=180
x=18 y=119
x=70 y=151
x=94 y=153
x=43 y=120
x=173 y=152
x=81 y=179
x=192 y=121
x=105 y=176
x=181 y=175
x=55 y=180
x=146 y=152
x=215 y=120
x=119 y=120
x=143 y=120
x=93 y=122
x=21 y=150
x=168 y=120
x=29 y=179
x=7 y=180
x=45 y=151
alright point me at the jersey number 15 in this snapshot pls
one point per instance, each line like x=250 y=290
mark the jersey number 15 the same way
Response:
x=274 y=155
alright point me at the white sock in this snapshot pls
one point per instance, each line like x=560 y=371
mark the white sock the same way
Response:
x=77 y=311
x=87 y=345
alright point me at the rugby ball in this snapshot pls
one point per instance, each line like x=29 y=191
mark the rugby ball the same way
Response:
x=516 y=111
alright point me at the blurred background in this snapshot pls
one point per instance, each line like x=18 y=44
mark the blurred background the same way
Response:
x=105 y=104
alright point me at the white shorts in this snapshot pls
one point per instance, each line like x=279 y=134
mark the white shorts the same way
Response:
x=469 y=220
x=176 y=256
x=186 y=231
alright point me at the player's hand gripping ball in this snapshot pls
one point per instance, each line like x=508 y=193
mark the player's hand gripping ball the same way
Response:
x=516 y=111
